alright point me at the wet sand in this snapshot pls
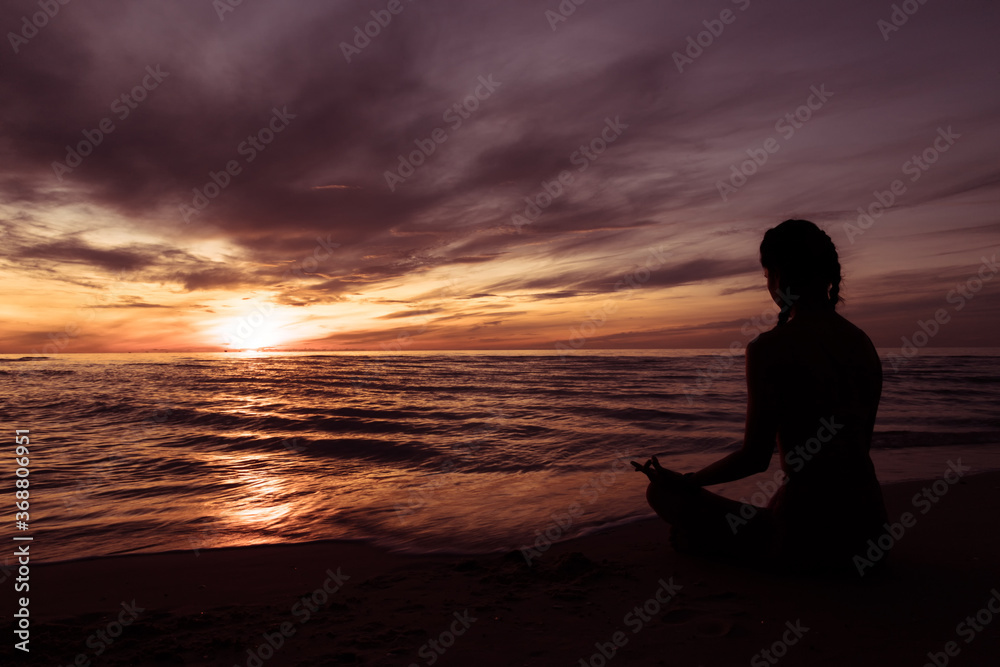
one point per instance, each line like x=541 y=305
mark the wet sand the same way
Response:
x=622 y=592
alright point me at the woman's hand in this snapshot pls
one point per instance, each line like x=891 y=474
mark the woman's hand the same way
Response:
x=650 y=469
x=657 y=474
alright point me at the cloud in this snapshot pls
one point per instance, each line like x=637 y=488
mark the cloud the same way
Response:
x=75 y=251
x=210 y=279
x=411 y=313
x=307 y=218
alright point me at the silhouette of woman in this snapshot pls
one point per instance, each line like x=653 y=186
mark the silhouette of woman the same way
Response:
x=813 y=383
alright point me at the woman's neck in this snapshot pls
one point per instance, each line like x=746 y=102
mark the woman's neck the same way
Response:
x=811 y=305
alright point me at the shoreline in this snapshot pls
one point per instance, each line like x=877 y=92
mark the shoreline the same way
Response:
x=353 y=603
x=894 y=466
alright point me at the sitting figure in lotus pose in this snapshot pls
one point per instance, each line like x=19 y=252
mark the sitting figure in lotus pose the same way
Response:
x=813 y=383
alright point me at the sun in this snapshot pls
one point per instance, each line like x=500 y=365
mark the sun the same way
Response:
x=261 y=325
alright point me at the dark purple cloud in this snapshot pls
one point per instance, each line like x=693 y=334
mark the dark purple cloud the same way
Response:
x=262 y=109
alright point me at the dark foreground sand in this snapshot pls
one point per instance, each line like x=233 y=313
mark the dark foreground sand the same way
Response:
x=211 y=608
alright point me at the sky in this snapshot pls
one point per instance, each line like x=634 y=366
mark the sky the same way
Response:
x=408 y=175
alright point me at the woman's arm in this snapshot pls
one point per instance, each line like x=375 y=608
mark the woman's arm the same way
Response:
x=761 y=429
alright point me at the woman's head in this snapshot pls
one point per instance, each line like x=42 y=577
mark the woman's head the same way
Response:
x=802 y=266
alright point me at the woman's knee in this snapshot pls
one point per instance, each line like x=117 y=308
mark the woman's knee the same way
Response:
x=659 y=501
x=653 y=495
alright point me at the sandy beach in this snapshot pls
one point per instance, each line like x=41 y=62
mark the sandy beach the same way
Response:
x=622 y=596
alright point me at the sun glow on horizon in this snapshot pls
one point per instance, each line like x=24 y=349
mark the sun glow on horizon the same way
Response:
x=262 y=326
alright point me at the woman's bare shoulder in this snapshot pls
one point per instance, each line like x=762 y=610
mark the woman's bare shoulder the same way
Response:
x=765 y=346
x=835 y=332
x=857 y=334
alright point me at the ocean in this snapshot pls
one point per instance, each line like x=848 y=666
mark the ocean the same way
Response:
x=422 y=452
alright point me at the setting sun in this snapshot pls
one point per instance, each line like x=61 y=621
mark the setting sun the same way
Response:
x=261 y=325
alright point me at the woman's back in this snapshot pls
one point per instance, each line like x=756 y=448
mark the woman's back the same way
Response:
x=821 y=369
x=826 y=376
